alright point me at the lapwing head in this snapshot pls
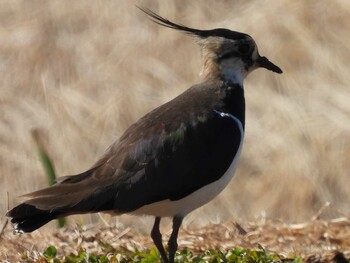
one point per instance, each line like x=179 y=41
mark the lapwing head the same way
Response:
x=227 y=55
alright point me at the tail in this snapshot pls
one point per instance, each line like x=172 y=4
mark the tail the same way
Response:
x=27 y=218
x=72 y=195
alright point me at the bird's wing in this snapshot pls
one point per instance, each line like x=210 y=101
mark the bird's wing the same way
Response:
x=161 y=164
x=168 y=164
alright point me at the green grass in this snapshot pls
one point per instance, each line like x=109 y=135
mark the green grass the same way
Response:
x=239 y=255
x=47 y=163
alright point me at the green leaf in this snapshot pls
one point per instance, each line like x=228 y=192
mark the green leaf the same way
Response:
x=50 y=252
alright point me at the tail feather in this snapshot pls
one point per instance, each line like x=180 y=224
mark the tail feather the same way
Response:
x=27 y=218
x=56 y=196
x=77 y=194
x=38 y=208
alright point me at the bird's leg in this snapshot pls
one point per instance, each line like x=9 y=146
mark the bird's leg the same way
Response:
x=157 y=240
x=172 y=243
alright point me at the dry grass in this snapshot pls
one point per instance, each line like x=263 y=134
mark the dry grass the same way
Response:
x=83 y=71
x=315 y=241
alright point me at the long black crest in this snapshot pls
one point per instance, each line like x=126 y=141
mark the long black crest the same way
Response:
x=219 y=32
x=165 y=22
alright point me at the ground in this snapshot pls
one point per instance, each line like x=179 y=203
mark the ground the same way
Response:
x=315 y=241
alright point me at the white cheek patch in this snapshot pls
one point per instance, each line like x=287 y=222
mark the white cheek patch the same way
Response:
x=233 y=70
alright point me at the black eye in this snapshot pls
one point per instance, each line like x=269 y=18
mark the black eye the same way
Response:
x=244 y=49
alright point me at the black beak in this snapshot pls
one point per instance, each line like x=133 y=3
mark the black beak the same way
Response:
x=263 y=62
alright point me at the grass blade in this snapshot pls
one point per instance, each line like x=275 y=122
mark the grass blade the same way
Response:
x=46 y=162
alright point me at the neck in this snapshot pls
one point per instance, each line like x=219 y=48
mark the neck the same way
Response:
x=234 y=102
x=230 y=71
x=233 y=71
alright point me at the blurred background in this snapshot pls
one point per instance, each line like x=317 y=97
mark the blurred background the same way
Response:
x=82 y=71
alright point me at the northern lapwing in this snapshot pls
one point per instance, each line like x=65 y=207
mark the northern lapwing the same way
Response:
x=174 y=159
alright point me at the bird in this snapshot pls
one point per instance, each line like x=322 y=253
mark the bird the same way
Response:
x=174 y=159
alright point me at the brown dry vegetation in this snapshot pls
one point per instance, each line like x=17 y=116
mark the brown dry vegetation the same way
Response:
x=315 y=241
x=82 y=71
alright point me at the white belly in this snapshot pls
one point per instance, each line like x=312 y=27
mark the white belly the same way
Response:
x=168 y=208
